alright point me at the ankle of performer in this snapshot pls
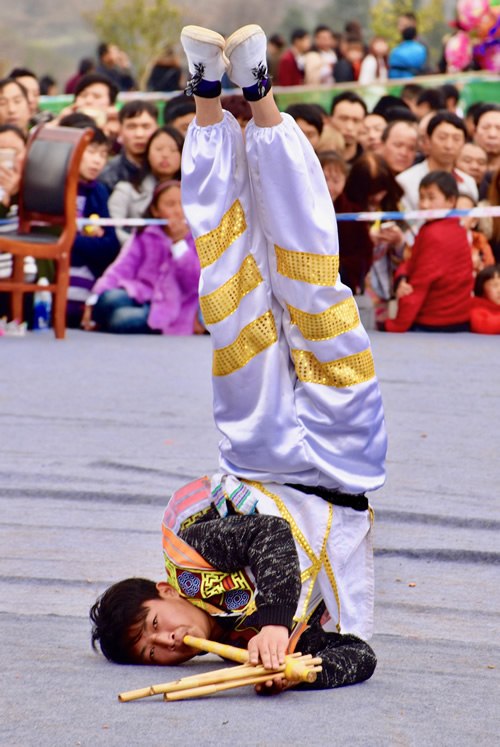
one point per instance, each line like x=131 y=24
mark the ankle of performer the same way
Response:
x=258 y=90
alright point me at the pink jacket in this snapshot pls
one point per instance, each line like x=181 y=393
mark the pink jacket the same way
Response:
x=149 y=272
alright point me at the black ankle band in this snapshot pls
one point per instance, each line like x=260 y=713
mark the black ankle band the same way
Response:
x=258 y=90
x=205 y=89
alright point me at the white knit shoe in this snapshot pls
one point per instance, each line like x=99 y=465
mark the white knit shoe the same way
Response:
x=246 y=51
x=206 y=60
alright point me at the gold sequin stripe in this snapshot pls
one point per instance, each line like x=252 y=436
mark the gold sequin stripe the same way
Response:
x=252 y=340
x=318 y=269
x=332 y=322
x=316 y=562
x=344 y=372
x=225 y=300
x=212 y=245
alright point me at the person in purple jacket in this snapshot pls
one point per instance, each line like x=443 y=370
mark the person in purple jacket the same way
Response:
x=152 y=286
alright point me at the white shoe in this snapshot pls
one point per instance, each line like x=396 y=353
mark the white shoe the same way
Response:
x=246 y=51
x=205 y=55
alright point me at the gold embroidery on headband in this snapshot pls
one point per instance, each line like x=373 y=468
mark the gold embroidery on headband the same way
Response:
x=225 y=300
x=318 y=269
x=252 y=340
x=336 y=320
x=344 y=372
x=212 y=245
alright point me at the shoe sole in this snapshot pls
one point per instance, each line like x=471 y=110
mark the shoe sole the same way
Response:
x=240 y=36
x=199 y=34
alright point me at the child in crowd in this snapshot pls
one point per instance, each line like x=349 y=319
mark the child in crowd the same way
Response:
x=435 y=285
x=153 y=284
x=94 y=247
x=482 y=256
x=485 y=311
x=280 y=538
x=161 y=162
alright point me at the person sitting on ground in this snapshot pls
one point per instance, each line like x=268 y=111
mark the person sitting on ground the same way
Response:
x=309 y=120
x=399 y=145
x=153 y=284
x=446 y=137
x=292 y=62
x=409 y=58
x=435 y=284
x=14 y=104
x=485 y=309
x=161 y=162
x=347 y=114
x=95 y=247
x=292 y=502
x=138 y=120
x=481 y=253
x=179 y=113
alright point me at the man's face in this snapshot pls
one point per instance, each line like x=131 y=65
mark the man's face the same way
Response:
x=135 y=133
x=33 y=88
x=182 y=123
x=303 y=45
x=400 y=148
x=94 y=96
x=487 y=133
x=323 y=40
x=370 y=135
x=14 y=107
x=348 y=119
x=167 y=621
x=309 y=131
x=445 y=144
x=473 y=160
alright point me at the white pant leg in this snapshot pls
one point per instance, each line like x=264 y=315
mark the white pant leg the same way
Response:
x=253 y=379
x=337 y=399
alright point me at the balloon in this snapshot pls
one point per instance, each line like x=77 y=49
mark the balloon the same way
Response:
x=471 y=12
x=458 y=52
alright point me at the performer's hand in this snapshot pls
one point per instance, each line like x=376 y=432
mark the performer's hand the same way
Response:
x=269 y=646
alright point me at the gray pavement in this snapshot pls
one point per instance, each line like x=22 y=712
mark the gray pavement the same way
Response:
x=97 y=430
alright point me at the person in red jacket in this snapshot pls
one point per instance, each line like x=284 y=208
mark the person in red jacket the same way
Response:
x=485 y=311
x=291 y=64
x=434 y=292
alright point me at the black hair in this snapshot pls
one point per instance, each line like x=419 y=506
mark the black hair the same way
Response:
x=145 y=169
x=409 y=33
x=85 y=65
x=350 y=96
x=450 y=118
x=46 y=81
x=298 y=34
x=178 y=106
x=115 y=615
x=22 y=72
x=484 y=109
x=90 y=78
x=7 y=81
x=102 y=48
x=450 y=91
x=390 y=126
x=473 y=108
x=444 y=181
x=78 y=120
x=488 y=273
x=332 y=158
x=237 y=105
x=400 y=114
x=15 y=129
x=434 y=97
x=308 y=113
x=278 y=40
x=135 y=108
x=411 y=91
x=322 y=27
x=387 y=102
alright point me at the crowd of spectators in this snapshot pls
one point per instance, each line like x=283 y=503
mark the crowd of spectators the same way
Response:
x=415 y=150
